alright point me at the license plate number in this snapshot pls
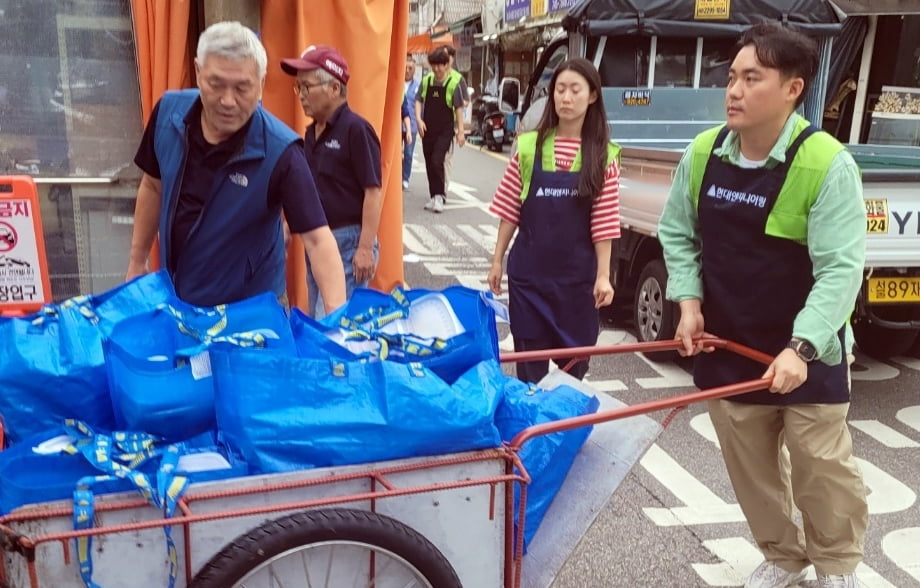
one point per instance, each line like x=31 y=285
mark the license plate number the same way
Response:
x=877 y=215
x=498 y=134
x=882 y=290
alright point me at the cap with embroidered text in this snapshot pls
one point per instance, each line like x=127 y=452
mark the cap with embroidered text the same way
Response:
x=318 y=57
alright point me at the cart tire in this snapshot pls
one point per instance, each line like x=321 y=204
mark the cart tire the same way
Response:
x=263 y=545
x=654 y=315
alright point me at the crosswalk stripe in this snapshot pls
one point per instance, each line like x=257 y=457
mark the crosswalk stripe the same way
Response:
x=884 y=434
x=423 y=241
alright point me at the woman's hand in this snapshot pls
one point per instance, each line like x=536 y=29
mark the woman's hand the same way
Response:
x=495 y=278
x=603 y=292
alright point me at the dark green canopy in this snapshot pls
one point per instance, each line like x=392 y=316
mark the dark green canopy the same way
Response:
x=698 y=18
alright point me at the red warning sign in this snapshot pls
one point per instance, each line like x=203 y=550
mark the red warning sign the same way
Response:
x=8 y=237
x=24 y=283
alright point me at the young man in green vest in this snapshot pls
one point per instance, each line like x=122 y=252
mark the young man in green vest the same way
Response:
x=764 y=240
x=464 y=91
x=439 y=112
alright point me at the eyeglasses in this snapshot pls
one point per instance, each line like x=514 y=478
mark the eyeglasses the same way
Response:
x=303 y=88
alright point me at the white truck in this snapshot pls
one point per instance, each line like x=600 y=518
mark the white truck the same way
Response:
x=664 y=72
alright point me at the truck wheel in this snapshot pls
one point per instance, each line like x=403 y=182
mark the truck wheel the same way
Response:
x=914 y=350
x=882 y=343
x=653 y=314
x=329 y=547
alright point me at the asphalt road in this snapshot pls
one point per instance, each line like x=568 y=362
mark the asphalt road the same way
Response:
x=674 y=521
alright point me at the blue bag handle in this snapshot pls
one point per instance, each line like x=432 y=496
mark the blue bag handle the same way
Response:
x=42 y=317
x=376 y=317
x=252 y=339
x=83 y=305
x=413 y=345
x=135 y=449
x=339 y=368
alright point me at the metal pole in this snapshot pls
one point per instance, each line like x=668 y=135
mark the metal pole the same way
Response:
x=814 y=102
x=862 y=83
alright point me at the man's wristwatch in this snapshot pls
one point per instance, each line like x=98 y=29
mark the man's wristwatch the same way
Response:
x=805 y=350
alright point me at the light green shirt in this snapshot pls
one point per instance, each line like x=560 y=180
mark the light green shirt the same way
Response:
x=836 y=243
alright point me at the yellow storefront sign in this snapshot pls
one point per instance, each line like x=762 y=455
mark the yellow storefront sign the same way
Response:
x=537 y=7
x=711 y=9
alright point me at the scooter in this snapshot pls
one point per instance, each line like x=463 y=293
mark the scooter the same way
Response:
x=493 y=130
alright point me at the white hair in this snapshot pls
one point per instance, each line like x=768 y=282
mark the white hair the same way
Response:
x=231 y=39
x=324 y=77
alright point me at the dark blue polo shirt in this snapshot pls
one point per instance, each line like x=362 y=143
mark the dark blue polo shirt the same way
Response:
x=345 y=160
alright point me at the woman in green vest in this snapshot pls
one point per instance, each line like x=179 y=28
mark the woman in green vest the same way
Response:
x=560 y=194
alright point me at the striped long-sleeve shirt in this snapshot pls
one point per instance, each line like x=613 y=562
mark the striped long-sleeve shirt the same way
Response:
x=605 y=212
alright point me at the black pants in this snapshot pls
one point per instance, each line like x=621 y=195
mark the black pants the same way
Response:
x=435 y=146
x=533 y=371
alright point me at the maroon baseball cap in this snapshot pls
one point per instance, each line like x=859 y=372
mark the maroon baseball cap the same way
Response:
x=318 y=57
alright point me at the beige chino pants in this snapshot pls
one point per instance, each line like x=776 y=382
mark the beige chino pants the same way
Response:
x=823 y=482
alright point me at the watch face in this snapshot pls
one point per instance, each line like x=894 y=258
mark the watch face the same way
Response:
x=807 y=351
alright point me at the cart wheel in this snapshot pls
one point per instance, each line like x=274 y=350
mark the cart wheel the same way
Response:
x=330 y=547
x=654 y=315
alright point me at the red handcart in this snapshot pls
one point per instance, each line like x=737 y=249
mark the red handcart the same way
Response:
x=439 y=522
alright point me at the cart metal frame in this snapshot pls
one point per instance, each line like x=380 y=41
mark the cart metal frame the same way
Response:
x=379 y=476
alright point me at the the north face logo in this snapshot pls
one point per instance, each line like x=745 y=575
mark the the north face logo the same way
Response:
x=239 y=179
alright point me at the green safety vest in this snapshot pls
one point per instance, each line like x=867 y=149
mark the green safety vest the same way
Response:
x=453 y=80
x=527 y=152
x=789 y=217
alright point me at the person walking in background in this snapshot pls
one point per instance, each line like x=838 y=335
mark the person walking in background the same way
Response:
x=764 y=241
x=220 y=228
x=407 y=137
x=454 y=74
x=344 y=150
x=439 y=112
x=560 y=193
x=411 y=91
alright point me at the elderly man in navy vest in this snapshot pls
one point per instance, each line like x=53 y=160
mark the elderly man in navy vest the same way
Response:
x=218 y=172
x=344 y=151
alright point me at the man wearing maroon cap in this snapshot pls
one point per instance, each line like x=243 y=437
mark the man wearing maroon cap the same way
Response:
x=344 y=152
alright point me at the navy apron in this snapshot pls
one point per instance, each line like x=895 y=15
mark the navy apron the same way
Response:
x=755 y=284
x=552 y=266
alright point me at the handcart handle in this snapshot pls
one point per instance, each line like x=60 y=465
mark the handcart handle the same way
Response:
x=645 y=347
x=642 y=407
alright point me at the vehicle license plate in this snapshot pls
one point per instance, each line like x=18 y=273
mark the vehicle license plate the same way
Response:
x=877 y=215
x=894 y=289
x=498 y=134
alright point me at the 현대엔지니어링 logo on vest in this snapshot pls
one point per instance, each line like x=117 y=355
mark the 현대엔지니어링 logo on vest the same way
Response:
x=736 y=196
x=544 y=192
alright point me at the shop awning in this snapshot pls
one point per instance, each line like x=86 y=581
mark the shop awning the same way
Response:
x=426 y=42
x=457 y=26
x=879 y=7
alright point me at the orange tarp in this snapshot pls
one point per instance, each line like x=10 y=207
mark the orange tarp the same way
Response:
x=371 y=34
x=160 y=32
x=426 y=42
